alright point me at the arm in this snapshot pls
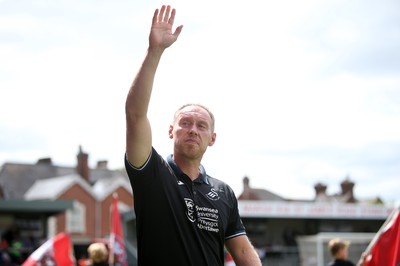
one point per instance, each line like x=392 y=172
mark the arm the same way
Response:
x=138 y=130
x=242 y=251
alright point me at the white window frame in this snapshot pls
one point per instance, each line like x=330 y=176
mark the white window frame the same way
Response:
x=76 y=218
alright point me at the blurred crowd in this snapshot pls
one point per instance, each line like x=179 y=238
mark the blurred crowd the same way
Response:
x=14 y=249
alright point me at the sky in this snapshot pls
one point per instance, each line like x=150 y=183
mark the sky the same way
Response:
x=303 y=91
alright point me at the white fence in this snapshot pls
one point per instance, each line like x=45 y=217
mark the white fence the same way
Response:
x=313 y=250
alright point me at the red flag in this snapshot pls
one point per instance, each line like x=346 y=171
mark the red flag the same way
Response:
x=57 y=249
x=386 y=248
x=117 y=242
x=229 y=260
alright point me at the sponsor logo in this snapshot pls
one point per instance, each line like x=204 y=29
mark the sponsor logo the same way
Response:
x=207 y=219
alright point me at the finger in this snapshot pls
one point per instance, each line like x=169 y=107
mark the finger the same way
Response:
x=161 y=14
x=178 y=31
x=155 y=16
x=166 y=17
x=172 y=18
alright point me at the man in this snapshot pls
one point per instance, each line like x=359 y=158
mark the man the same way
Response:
x=183 y=216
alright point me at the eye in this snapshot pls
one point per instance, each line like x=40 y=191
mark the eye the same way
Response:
x=184 y=123
x=202 y=125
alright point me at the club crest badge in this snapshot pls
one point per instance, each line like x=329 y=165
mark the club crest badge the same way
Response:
x=213 y=195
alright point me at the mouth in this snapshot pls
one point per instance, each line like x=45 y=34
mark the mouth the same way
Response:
x=192 y=141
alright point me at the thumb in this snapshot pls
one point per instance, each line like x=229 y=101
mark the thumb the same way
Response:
x=178 y=31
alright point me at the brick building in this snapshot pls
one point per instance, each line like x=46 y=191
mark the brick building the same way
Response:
x=88 y=191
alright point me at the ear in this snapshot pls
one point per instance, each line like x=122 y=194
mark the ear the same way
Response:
x=213 y=138
x=171 y=127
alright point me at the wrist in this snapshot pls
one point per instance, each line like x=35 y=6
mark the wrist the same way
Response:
x=155 y=50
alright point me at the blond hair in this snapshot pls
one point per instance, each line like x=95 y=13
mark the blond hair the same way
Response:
x=98 y=252
x=335 y=245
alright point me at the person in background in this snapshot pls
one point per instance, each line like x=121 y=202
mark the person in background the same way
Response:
x=4 y=254
x=98 y=254
x=183 y=215
x=339 y=250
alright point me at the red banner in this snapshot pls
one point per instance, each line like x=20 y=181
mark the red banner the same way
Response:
x=57 y=249
x=117 y=242
x=386 y=249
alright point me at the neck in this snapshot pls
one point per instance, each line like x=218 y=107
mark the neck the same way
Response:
x=189 y=167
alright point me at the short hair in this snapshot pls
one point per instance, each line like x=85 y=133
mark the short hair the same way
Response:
x=98 y=252
x=337 y=244
x=201 y=106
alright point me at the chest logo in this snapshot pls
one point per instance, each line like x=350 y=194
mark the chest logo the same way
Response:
x=190 y=209
x=212 y=195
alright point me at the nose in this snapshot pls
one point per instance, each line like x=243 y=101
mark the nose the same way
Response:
x=193 y=131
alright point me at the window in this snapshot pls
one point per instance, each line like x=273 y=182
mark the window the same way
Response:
x=76 y=218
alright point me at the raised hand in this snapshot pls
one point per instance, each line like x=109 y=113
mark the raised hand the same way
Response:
x=161 y=35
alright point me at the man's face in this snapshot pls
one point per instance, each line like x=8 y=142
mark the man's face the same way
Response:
x=192 y=132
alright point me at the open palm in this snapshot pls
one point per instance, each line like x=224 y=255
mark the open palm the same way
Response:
x=161 y=34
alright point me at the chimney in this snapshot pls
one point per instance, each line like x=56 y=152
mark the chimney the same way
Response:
x=102 y=164
x=347 y=190
x=83 y=166
x=320 y=193
x=246 y=183
x=44 y=161
x=320 y=189
x=246 y=194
